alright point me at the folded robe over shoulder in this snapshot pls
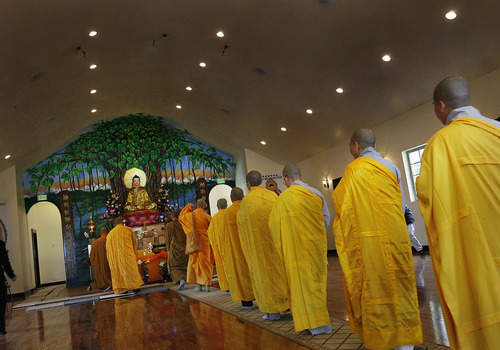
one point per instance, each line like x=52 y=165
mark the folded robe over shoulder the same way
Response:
x=121 y=249
x=201 y=264
x=266 y=267
x=238 y=275
x=215 y=235
x=297 y=226
x=375 y=254
x=459 y=197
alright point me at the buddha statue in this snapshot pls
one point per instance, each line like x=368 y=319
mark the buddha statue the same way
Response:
x=138 y=198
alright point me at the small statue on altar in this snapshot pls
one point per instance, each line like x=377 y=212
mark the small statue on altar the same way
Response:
x=138 y=198
x=150 y=248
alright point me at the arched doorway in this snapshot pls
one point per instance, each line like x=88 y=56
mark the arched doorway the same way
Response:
x=44 y=223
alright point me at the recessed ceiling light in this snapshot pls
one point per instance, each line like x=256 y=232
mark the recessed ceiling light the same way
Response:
x=93 y=91
x=178 y=106
x=309 y=111
x=451 y=15
x=220 y=34
x=203 y=64
x=339 y=90
x=93 y=111
x=189 y=88
x=283 y=129
x=7 y=156
x=263 y=142
x=93 y=33
x=386 y=58
x=93 y=66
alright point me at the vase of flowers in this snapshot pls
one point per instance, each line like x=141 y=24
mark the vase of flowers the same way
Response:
x=164 y=271
x=144 y=270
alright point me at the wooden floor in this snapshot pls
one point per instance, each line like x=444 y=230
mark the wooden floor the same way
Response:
x=167 y=320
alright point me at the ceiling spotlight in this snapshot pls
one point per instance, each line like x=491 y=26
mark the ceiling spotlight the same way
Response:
x=386 y=58
x=93 y=91
x=263 y=142
x=93 y=111
x=189 y=88
x=203 y=64
x=178 y=106
x=7 y=156
x=309 y=111
x=93 y=66
x=93 y=33
x=220 y=34
x=339 y=90
x=283 y=129
x=451 y=15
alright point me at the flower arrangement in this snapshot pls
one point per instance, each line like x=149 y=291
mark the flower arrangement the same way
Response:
x=143 y=267
x=163 y=201
x=164 y=267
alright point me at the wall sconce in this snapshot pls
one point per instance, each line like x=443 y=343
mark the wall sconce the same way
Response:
x=325 y=183
x=91 y=225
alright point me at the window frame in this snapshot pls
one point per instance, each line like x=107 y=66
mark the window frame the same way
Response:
x=412 y=188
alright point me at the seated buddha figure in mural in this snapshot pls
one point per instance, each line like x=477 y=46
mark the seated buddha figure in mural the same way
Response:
x=138 y=198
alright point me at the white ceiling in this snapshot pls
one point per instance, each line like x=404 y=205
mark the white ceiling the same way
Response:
x=304 y=50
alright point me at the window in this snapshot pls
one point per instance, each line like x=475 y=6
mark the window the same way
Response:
x=411 y=159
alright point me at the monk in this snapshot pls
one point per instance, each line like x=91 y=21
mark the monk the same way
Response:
x=201 y=264
x=218 y=244
x=121 y=250
x=238 y=274
x=374 y=250
x=266 y=267
x=297 y=225
x=99 y=261
x=459 y=197
x=177 y=258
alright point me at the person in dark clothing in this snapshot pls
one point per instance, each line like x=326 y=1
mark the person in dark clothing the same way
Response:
x=4 y=267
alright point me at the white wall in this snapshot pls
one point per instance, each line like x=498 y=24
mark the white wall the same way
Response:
x=45 y=218
x=263 y=165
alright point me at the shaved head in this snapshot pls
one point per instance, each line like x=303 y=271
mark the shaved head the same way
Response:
x=364 y=137
x=453 y=91
x=175 y=214
x=103 y=231
x=117 y=221
x=292 y=171
x=222 y=203
x=254 y=178
x=200 y=203
x=236 y=194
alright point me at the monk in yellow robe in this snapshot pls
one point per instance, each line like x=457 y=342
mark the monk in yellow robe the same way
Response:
x=215 y=236
x=99 y=261
x=201 y=264
x=374 y=250
x=176 y=243
x=138 y=198
x=298 y=229
x=121 y=250
x=266 y=267
x=238 y=274
x=459 y=197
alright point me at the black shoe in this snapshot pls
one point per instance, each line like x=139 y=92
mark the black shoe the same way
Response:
x=3 y=332
x=137 y=290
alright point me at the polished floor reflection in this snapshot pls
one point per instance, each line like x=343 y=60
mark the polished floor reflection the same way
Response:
x=167 y=320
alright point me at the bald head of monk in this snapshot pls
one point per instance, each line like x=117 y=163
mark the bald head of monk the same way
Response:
x=222 y=203
x=254 y=178
x=117 y=221
x=201 y=204
x=291 y=173
x=361 y=139
x=103 y=232
x=450 y=93
x=236 y=194
x=175 y=214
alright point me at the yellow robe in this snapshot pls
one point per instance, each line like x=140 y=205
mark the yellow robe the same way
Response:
x=99 y=263
x=238 y=274
x=201 y=264
x=215 y=235
x=375 y=254
x=459 y=197
x=298 y=229
x=266 y=268
x=121 y=248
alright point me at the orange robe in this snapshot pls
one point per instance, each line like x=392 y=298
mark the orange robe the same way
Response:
x=99 y=263
x=121 y=249
x=218 y=244
x=201 y=264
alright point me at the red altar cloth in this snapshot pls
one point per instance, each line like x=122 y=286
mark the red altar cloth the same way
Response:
x=153 y=265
